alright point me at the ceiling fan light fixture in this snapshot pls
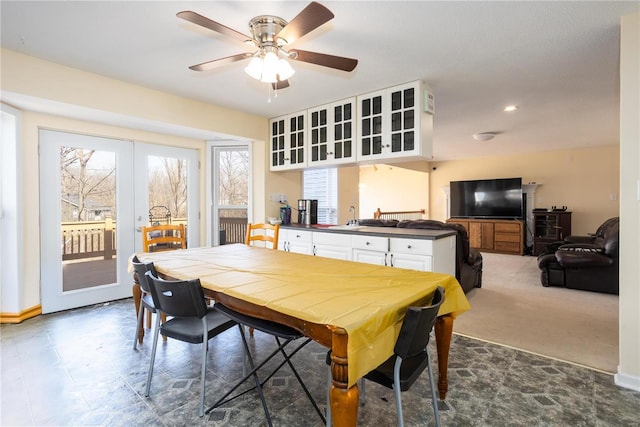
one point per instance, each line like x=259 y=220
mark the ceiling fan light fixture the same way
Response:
x=285 y=70
x=254 y=69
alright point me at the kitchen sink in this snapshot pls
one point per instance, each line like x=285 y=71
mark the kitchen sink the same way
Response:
x=345 y=227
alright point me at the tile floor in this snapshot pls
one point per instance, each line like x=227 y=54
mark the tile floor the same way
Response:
x=78 y=368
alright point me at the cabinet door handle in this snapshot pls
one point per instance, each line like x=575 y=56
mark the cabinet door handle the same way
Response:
x=385 y=260
x=391 y=260
x=367 y=243
x=408 y=246
x=314 y=250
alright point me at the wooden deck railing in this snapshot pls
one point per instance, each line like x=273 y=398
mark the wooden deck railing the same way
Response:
x=399 y=214
x=88 y=239
x=97 y=239
x=234 y=230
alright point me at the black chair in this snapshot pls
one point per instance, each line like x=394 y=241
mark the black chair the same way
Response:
x=410 y=358
x=279 y=332
x=192 y=321
x=146 y=301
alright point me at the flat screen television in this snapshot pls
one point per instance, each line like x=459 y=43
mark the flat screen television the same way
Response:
x=486 y=198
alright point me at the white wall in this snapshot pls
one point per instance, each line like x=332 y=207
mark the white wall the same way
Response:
x=629 y=369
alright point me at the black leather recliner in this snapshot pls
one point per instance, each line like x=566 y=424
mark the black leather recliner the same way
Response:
x=590 y=265
x=468 y=260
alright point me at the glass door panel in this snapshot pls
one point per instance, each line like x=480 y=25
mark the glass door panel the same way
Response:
x=166 y=189
x=231 y=193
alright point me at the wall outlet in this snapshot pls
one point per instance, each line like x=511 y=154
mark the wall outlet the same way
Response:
x=278 y=198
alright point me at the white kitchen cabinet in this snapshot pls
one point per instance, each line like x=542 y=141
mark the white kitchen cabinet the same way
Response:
x=288 y=140
x=332 y=134
x=330 y=245
x=297 y=241
x=424 y=255
x=393 y=125
x=370 y=249
x=414 y=254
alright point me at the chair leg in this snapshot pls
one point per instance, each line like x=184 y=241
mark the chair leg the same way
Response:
x=434 y=398
x=396 y=391
x=153 y=356
x=205 y=347
x=137 y=337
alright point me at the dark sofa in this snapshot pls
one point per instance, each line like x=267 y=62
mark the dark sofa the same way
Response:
x=468 y=260
x=591 y=264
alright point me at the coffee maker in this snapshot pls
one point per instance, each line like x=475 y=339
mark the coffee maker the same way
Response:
x=307 y=211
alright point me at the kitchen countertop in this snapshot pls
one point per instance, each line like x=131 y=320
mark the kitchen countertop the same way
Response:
x=413 y=233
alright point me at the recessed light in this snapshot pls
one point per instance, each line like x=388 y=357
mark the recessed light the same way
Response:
x=483 y=136
x=510 y=108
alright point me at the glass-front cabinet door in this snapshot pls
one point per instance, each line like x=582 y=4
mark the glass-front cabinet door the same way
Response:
x=392 y=124
x=332 y=136
x=288 y=138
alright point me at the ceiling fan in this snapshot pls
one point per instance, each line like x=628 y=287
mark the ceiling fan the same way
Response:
x=270 y=35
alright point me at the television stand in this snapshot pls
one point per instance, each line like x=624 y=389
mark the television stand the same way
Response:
x=505 y=236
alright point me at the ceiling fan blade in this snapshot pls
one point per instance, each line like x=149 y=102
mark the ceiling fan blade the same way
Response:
x=331 y=61
x=306 y=21
x=280 y=84
x=198 y=19
x=221 y=61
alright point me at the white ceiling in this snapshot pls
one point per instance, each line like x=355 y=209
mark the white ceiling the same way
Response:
x=558 y=61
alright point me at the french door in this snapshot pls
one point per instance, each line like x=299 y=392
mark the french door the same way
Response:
x=92 y=193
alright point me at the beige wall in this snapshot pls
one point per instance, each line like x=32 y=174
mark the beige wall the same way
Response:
x=629 y=368
x=45 y=81
x=394 y=187
x=586 y=180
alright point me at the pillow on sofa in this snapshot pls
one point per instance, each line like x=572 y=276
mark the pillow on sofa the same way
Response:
x=378 y=222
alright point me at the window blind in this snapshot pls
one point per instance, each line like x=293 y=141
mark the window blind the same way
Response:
x=322 y=184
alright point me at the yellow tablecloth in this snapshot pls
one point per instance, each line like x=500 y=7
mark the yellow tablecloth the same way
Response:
x=368 y=301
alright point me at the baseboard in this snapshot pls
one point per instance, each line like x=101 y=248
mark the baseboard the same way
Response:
x=23 y=315
x=627 y=381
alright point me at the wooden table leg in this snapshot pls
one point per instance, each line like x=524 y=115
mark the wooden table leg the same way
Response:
x=444 y=331
x=137 y=296
x=344 y=400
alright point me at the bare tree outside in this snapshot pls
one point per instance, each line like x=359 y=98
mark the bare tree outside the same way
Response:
x=234 y=181
x=168 y=184
x=87 y=184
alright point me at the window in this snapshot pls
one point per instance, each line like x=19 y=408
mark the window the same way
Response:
x=322 y=184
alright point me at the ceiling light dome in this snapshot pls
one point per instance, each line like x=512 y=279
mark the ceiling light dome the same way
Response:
x=484 y=136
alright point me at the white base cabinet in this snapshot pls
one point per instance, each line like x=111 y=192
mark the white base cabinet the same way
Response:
x=329 y=245
x=296 y=241
x=436 y=255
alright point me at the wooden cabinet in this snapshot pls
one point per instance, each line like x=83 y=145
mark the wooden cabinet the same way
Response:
x=494 y=235
x=288 y=138
x=392 y=124
x=549 y=227
x=332 y=134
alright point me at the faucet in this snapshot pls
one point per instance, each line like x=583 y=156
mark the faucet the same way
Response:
x=353 y=221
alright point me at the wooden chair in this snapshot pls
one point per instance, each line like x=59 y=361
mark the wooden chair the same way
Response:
x=158 y=238
x=266 y=233
x=399 y=215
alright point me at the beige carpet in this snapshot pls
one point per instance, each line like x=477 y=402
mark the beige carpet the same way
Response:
x=512 y=308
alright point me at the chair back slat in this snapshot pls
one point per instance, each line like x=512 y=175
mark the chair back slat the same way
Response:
x=183 y=298
x=417 y=326
x=158 y=238
x=266 y=233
